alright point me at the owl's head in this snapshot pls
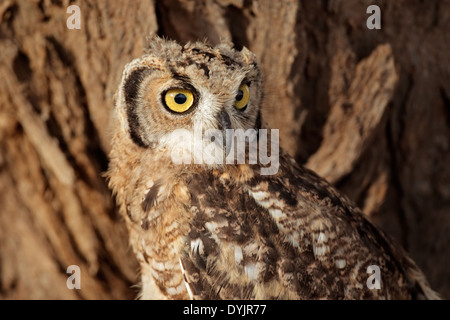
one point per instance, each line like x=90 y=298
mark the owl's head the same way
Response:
x=173 y=87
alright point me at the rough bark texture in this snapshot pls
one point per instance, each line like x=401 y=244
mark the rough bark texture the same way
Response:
x=367 y=109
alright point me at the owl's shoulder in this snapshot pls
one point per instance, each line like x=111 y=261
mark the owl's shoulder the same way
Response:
x=290 y=235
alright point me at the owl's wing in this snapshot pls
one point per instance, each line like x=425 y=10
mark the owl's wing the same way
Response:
x=288 y=236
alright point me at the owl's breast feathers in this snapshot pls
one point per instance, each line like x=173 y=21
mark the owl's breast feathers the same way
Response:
x=234 y=233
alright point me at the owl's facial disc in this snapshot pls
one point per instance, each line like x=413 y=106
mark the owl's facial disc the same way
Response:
x=196 y=86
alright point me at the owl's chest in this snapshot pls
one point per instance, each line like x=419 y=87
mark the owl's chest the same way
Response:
x=180 y=231
x=158 y=251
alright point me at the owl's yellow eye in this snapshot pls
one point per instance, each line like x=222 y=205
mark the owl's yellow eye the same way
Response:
x=242 y=97
x=179 y=100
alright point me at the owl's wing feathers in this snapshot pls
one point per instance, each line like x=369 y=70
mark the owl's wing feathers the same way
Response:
x=289 y=235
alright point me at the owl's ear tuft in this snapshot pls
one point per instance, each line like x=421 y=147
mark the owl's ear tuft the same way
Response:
x=162 y=46
x=248 y=56
x=227 y=42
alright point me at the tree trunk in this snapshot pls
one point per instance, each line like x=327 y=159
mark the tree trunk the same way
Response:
x=367 y=109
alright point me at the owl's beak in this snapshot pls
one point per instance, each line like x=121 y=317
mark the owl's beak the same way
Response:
x=225 y=123
x=224 y=119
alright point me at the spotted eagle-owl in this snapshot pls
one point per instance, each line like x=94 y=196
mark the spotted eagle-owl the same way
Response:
x=211 y=230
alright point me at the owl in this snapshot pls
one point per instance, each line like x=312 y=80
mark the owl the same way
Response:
x=210 y=215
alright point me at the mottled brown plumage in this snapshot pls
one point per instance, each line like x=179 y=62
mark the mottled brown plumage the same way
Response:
x=226 y=231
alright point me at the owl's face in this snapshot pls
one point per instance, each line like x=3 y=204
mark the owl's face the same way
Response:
x=196 y=86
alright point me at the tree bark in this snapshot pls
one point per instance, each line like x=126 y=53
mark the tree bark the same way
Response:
x=369 y=110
